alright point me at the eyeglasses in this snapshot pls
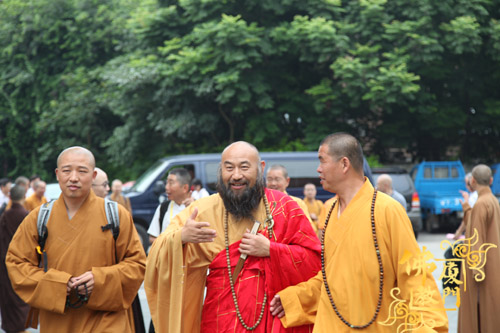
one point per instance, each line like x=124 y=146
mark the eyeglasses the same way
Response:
x=105 y=184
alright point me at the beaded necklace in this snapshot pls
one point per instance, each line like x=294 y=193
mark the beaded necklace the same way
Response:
x=381 y=268
x=270 y=224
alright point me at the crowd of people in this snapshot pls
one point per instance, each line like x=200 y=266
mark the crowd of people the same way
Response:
x=249 y=257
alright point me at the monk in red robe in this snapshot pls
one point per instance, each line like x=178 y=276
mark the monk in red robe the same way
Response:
x=211 y=235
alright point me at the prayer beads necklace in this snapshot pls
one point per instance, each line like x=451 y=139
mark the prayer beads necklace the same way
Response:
x=381 y=268
x=270 y=221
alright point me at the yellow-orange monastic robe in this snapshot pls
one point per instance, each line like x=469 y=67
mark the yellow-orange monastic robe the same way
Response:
x=125 y=202
x=352 y=270
x=314 y=207
x=324 y=212
x=74 y=247
x=34 y=201
x=303 y=206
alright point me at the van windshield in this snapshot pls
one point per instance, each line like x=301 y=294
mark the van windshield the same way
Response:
x=145 y=180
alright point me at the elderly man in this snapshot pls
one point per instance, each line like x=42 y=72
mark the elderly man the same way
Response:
x=277 y=179
x=88 y=278
x=116 y=195
x=384 y=184
x=37 y=198
x=481 y=301
x=254 y=241
x=100 y=184
x=366 y=237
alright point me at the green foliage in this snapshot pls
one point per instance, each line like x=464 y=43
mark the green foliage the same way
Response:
x=134 y=80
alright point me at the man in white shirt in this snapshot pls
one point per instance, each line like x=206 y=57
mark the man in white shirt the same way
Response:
x=4 y=191
x=179 y=197
x=198 y=190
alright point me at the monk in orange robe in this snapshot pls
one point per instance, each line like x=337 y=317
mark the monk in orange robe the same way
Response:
x=211 y=235
x=116 y=195
x=37 y=198
x=362 y=259
x=91 y=278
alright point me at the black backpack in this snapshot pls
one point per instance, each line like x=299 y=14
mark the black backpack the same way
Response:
x=163 y=211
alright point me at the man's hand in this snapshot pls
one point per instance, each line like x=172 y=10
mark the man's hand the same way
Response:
x=465 y=194
x=197 y=232
x=187 y=201
x=276 y=307
x=255 y=245
x=78 y=282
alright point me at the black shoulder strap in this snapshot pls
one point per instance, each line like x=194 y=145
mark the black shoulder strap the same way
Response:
x=113 y=217
x=41 y=226
x=163 y=211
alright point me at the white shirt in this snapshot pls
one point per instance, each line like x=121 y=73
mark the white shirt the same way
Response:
x=200 y=194
x=472 y=199
x=3 y=199
x=172 y=211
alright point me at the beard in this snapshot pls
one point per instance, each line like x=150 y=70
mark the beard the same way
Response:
x=243 y=204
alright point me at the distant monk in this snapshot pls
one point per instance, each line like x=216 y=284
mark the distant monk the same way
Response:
x=37 y=198
x=116 y=195
x=91 y=278
x=13 y=310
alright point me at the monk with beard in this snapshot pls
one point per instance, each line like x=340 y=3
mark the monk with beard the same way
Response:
x=251 y=241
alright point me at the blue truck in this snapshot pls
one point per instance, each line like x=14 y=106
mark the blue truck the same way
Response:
x=495 y=186
x=438 y=185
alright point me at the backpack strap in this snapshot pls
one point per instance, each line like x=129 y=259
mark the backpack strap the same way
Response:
x=41 y=227
x=112 y=216
x=163 y=210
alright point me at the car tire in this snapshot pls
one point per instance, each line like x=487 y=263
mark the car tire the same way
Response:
x=143 y=235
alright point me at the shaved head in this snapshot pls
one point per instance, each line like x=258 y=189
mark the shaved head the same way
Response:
x=79 y=151
x=384 y=183
x=482 y=174
x=345 y=145
x=241 y=146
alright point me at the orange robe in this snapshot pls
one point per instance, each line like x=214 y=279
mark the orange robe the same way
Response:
x=34 y=201
x=480 y=303
x=324 y=212
x=74 y=247
x=176 y=274
x=352 y=271
x=125 y=202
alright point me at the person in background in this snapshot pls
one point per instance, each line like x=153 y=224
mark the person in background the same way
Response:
x=5 y=185
x=31 y=189
x=384 y=184
x=480 y=302
x=116 y=195
x=313 y=206
x=469 y=199
x=277 y=179
x=100 y=184
x=37 y=198
x=12 y=309
x=179 y=197
x=198 y=190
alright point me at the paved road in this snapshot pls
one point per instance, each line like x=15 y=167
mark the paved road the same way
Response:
x=430 y=241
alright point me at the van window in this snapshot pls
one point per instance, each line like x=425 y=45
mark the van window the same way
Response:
x=441 y=172
x=147 y=178
x=427 y=172
x=211 y=169
x=454 y=172
x=188 y=167
x=300 y=172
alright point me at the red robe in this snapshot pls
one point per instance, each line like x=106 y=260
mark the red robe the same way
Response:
x=294 y=257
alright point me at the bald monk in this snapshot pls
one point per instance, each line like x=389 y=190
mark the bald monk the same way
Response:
x=285 y=251
x=37 y=198
x=100 y=184
x=116 y=195
x=352 y=267
x=91 y=278
x=277 y=179
x=384 y=184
